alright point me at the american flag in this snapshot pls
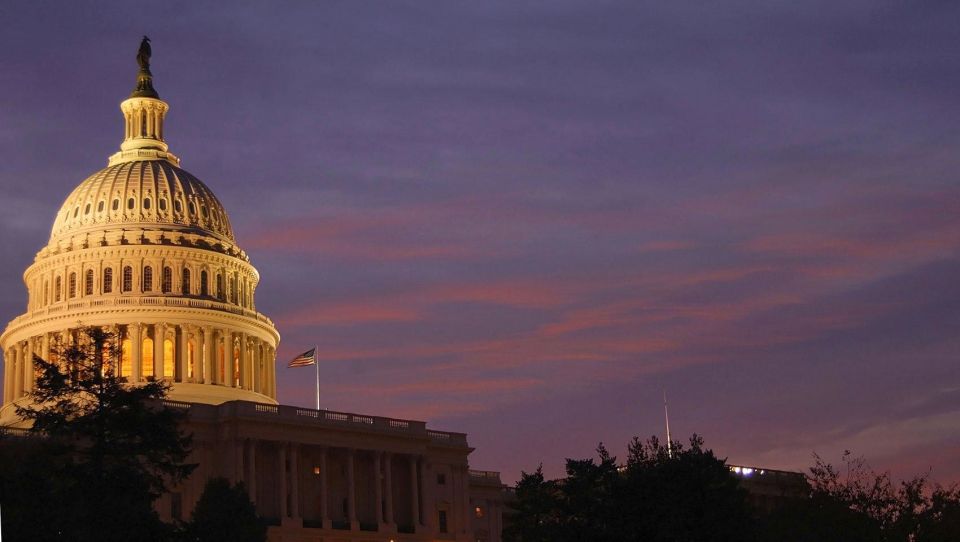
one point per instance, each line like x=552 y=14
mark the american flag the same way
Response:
x=307 y=358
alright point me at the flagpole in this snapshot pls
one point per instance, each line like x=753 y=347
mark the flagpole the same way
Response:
x=316 y=350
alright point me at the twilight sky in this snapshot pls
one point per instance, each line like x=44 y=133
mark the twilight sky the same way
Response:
x=525 y=220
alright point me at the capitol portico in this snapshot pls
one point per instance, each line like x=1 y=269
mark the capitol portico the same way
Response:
x=145 y=249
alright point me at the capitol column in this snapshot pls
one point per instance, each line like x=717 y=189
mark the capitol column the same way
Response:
x=378 y=492
x=388 y=488
x=133 y=330
x=282 y=479
x=242 y=360
x=252 y=480
x=295 y=481
x=28 y=370
x=180 y=375
x=324 y=515
x=351 y=493
x=159 y=335
x=7 y=376
x=207 y=355
x=414 y=493
x=18 y=376
x=229 y=362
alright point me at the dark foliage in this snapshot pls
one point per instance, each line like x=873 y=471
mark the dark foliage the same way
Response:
x=856 y=504
x=225 y=513
x=679 y=494
x=661 y=494
x=98 y=454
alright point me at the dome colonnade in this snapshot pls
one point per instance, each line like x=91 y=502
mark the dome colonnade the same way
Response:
x=145 y=249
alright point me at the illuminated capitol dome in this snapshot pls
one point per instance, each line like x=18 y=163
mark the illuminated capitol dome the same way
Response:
x=146 y=249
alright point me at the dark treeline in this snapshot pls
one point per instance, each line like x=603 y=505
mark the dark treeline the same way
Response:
x=687 y=494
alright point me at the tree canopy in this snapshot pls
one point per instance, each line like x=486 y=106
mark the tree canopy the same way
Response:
x=673 y=493
x=224 y=512
x=101 y=451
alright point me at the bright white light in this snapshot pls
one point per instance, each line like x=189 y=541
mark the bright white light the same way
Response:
x=736 y=470
x=747 y=471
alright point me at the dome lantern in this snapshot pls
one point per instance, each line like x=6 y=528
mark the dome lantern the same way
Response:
x=143 y=114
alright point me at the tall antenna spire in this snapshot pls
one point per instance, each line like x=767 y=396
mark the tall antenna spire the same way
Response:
x=666 y=417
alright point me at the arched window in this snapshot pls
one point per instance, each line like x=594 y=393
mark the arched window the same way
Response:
x=86 y=210
x=115 y=205
x=167 y=284
x=108 y=280
x=57 y=287
x=100 y=207
x=147 y=279
x=168 y=354
x=146 y=203
x=219 y=286
x=204 y=290
x=131 y=203
x=185 y=283
x=88 y=282
x=162 y=204
x=72 y=285
x=127 y=279
x=193 y=208
x=46 y=293
x=146 y=357
x=233 y=289
x=177 y=206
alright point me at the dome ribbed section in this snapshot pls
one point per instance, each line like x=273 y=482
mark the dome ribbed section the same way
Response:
x=142 y=194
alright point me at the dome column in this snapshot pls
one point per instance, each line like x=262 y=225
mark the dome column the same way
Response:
x=133 y=330
x=8 y=363
x=207 y=371
x=28 y=366
x=18 y=372
x=159 y=334
x=181 y=372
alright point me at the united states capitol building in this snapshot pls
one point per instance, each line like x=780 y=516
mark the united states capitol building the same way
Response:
x=145 y=249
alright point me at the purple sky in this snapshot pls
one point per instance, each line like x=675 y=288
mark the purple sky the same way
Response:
x=525 y=220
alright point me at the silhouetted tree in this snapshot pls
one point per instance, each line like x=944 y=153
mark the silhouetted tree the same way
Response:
x=854 y=503
x=661 y=494
x=104 y=450
x=225 y=513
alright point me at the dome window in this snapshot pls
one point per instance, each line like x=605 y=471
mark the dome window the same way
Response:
x=193 y=209
x=88 y=282
x=131 y=203
x=146 y=203
x=107 y=280
x=76 y=211
x=186 y=281
x=72 y=285
x=162 y=204
x=204 y=289
x=167 y=283
x=147 y=279
x=57 y=286
x=127 y=279
x=100 y=207
x=177 y=206
x=86 y=210
x=116 y=204
x=203 y=211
